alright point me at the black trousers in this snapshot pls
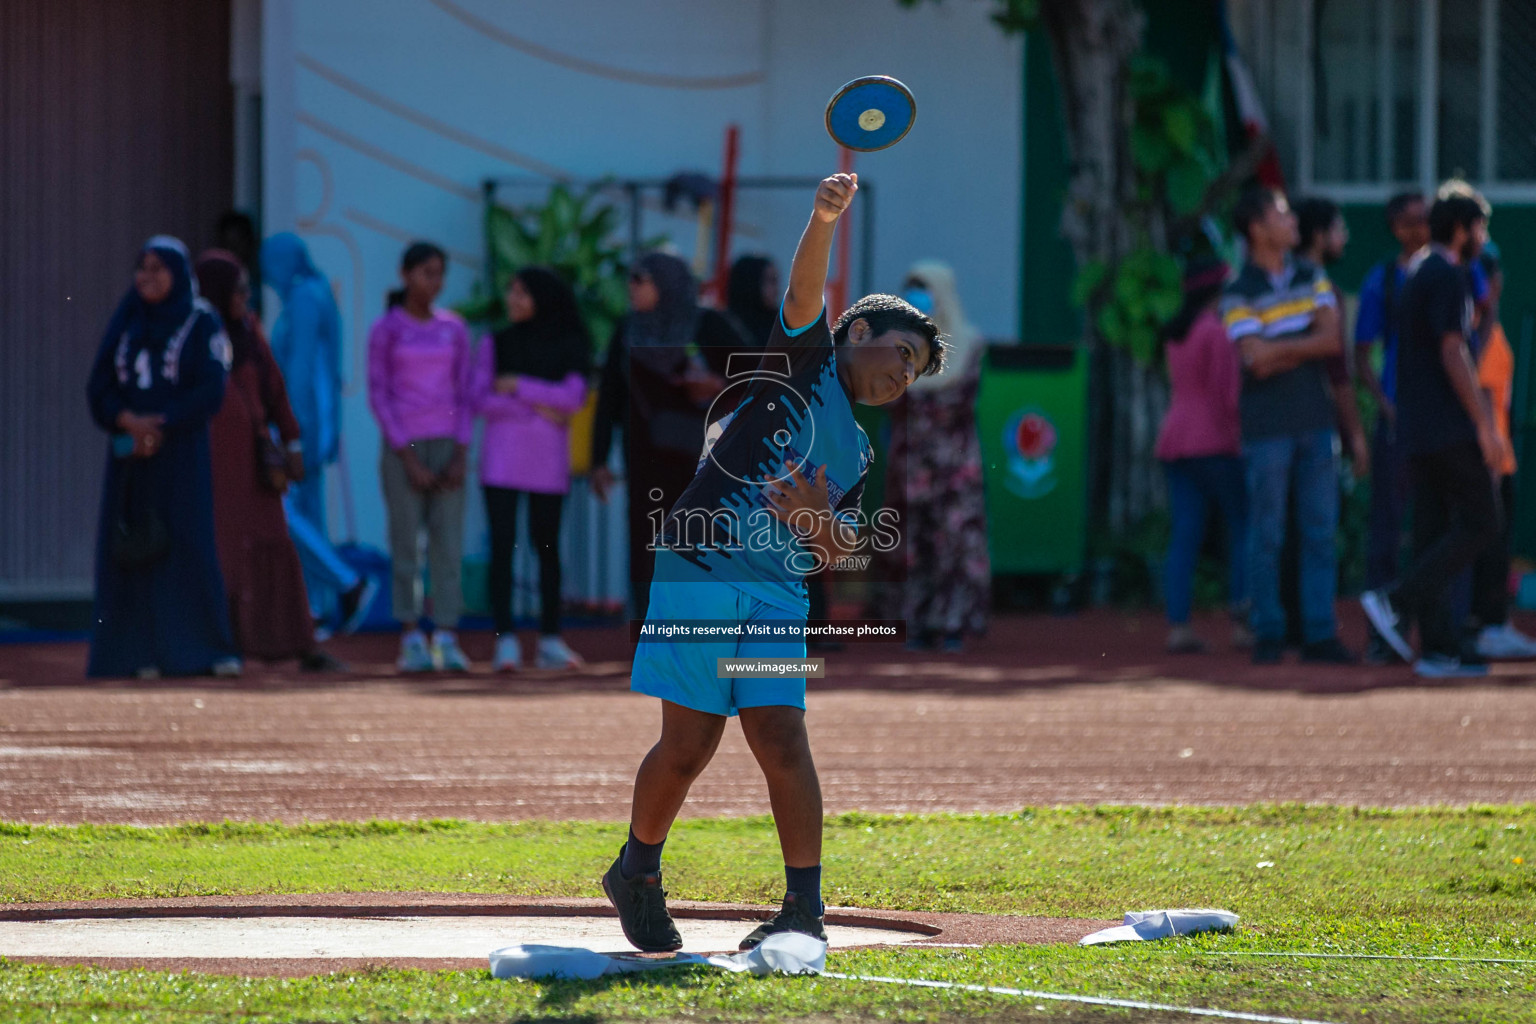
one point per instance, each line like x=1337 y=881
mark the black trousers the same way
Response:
x=1490 y=573
x=544 y=529
x=1456 y=517
x=656 y=479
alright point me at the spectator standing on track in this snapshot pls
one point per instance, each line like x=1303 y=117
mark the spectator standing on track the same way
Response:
x=1453 y=445
x=1200 y=446
x=306 y=341
x=935 y=461
x=1282 y=314
x=419 y=375
x=1378 y=320
x=1495 y=635
x=1322 y=235
x=236 y=234
x=752 y=297
x=157 y=380
x=664 y=367
x=530 y=379
x=263 y=581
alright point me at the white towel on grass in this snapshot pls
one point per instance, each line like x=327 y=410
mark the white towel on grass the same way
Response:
x=784 y=953
x=1145 y=925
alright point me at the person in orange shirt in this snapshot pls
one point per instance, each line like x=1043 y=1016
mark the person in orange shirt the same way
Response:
x=1496 y=636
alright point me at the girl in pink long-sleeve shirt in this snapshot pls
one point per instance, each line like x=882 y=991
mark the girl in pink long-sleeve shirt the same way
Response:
x=420 y=371
x=1201 y=449
x=530 y=378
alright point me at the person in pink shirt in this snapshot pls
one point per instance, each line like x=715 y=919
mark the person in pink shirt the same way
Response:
x=530 y=378
x=1200 y=447
x=419 y=377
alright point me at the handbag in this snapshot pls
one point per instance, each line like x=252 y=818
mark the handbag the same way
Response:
x=139 y=537
x=271 y=463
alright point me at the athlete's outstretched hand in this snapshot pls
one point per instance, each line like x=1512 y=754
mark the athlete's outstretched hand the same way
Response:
x=797 y=500
x=833 y=196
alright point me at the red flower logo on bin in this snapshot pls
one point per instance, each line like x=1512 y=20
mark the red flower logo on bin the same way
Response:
x=1031 y=463
x=1036 y=436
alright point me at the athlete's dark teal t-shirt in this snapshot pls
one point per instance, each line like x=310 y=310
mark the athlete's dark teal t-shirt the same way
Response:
x=783 y=408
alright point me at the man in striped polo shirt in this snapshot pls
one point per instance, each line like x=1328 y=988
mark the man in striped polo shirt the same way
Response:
x=1281 y=310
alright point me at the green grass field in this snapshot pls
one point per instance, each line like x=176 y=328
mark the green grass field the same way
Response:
x=1435 y=883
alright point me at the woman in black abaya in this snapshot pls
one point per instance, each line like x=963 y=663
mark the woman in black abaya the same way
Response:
x=157 y=380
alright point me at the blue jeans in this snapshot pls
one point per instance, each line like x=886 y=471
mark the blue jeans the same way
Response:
x=1275 y=465
x=1194 y=485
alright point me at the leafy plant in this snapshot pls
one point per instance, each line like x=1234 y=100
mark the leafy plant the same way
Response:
x=1175 y=148
x=572 y=233
x=1174 y=140
x=1144 y=291
x=1012 y=16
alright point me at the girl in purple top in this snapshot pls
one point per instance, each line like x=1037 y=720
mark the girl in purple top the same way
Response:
x=530 y=378
x=419 y=376
x=1200 y=447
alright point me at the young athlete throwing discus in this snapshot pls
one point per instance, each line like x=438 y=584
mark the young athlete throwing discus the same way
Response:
x=776 y=495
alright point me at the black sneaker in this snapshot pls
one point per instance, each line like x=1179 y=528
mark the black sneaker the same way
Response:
x=1328 y=652
x=793 y=916
x=321 y=661
x=354 y=605
x=642 y=906
x=1379 y=652
x=1268 y=650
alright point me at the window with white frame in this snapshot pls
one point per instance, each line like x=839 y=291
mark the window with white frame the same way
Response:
x=1370 y=97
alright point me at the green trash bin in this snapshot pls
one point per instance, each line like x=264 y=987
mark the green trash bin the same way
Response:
x=1032 y=415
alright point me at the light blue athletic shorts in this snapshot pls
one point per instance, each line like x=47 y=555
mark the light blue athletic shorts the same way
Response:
x=685 y=672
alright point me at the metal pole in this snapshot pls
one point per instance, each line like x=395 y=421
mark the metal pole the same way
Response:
x=838 y=300
x=727 y=214
x=867 y=240
x=632 y=189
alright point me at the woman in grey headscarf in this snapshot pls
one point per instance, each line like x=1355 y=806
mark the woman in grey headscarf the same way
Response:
x=665 y=364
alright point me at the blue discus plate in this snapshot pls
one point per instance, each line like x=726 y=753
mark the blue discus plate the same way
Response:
x=871 y=113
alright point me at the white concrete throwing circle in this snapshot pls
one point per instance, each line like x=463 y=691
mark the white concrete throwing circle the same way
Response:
x=392 y=936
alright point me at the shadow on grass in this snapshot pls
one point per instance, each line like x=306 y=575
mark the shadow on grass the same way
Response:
x=560 y=996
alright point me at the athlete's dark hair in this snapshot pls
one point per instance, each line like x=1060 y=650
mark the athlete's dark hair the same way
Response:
x=1252 y=205
x=414 y=256
x=1314 y=215
x=890 y=313
x=1452 y=212
x=1400 y=203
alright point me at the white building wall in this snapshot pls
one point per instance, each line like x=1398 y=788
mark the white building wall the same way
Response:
x=382 y=117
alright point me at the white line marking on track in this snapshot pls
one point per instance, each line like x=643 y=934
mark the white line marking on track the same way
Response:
x=1375 y=956
x=1128 y=1004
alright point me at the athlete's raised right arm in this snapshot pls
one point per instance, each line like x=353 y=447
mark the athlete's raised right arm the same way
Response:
x=808 y=273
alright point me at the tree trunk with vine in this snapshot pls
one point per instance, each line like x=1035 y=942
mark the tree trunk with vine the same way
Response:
x=1092 y=43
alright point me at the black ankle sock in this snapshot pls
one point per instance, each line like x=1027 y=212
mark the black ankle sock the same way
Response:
x=805 y=883
x=640 y=858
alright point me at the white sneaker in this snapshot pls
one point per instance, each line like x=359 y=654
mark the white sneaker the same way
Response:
x=509 y=653
x=1505 y=642
x=414 y=654
x=227 y=668
x=1379 y=610
x=1440 y=666
x=446 y=653
x=555 y=653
